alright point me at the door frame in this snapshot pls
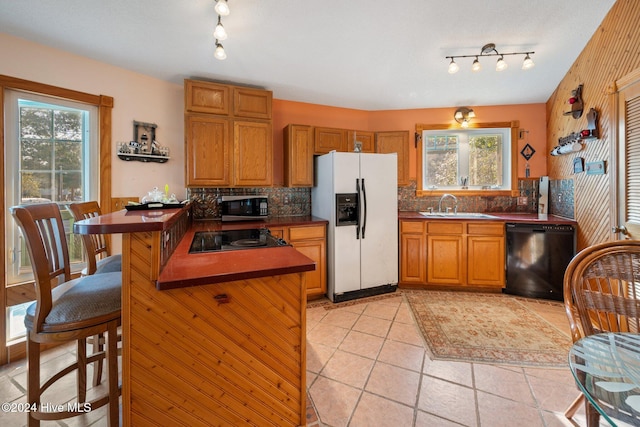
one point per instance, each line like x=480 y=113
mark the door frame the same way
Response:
x=24 y=291
x=618 y=137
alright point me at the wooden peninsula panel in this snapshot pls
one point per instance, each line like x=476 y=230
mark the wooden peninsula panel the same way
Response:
x=228 y=353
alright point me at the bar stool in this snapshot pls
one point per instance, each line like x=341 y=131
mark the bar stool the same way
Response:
x=73 y=310
x=98 y=250
x=99 y=260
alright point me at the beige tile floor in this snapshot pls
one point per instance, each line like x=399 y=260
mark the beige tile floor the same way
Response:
x=367 y=366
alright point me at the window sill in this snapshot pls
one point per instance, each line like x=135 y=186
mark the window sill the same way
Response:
x=473 y=192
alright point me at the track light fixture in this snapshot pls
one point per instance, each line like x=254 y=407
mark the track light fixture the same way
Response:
x=220 y=34
x=490 y=50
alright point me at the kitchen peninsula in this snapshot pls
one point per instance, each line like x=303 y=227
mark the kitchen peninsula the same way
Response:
x=211 y=338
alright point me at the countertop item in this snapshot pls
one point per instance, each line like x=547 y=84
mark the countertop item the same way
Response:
x=499 y=216
x=183 y=269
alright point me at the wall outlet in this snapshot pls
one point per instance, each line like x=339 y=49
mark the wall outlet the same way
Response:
x=522 y=200
x=285 y=199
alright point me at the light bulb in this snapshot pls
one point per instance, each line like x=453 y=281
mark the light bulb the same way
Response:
x=476 y=65
x=220 y=33
x=222 y=8
x=501 y=65
x=528 y=63
x=453 y=67
x=464 y=124
x=219 y=52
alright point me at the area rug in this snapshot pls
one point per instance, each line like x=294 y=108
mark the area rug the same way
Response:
x=487 y=328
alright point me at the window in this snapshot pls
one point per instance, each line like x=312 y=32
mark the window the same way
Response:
x=473 y=159
x=51 y=147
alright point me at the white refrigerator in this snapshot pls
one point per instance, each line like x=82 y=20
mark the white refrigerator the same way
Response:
x=358 y=194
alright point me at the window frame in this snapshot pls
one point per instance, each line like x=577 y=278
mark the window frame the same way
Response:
x=24 y=292
x=425 y=192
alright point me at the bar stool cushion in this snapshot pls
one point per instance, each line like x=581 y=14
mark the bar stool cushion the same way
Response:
x=81 y=299
x=110 y=264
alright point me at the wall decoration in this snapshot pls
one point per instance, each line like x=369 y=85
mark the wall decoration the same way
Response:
x=143 y=147
x=591 y=132
x=578 y=165
x=596 y=168
x=576 y=103
x=527 y=152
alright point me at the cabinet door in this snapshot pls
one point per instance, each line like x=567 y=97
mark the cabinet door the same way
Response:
x=311 y=241
x=298 y=156
x=366 y=139
x=445 y=264
x=485 y=260
x=396 y=142
x=252 y=103
x=253 y=154
x=208 y=154
x=413 y=258
x=327 y=139
x=316 y=279
x=206 y=97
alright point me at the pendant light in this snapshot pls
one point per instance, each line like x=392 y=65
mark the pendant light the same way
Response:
x=476 y=65
x=501 y=65
x=453 y=67
x=528 y=63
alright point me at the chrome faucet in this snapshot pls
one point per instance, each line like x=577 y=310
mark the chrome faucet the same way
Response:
x=455 y=200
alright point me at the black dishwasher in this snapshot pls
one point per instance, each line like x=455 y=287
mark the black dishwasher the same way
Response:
x=537 y=257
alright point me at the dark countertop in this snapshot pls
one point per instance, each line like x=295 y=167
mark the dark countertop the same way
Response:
x=184 y=269
x=500 y=216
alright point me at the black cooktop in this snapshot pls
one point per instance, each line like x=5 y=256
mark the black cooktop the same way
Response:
x=229 y=240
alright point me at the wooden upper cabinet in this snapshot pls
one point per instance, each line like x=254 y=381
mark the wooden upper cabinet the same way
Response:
x=207 y=151
x=396 y=142
x=252 y=103
x=252 y=154
x=328 y=139
x=207 y=97
x=298 y=156
x=365 y=138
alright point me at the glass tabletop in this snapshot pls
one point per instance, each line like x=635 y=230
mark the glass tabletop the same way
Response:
x=607 y=370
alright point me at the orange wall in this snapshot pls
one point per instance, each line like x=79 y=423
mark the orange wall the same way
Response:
x=532 y=117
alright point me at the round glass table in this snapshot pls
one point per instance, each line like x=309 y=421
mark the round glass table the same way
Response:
x=607 y=370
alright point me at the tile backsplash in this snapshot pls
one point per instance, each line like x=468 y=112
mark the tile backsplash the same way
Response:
x=284 y=201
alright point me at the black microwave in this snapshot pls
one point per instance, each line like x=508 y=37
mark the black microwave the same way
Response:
x=240 y=208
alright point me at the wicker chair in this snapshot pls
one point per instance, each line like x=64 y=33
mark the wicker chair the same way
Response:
x=73 y=310
x=602 y=294
x=98 y=250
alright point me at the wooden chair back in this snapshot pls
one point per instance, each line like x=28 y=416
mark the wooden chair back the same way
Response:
x=602 y=289
x=96 y=245
x=45 y=239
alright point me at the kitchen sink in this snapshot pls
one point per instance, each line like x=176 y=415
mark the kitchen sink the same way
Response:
x=458 y=215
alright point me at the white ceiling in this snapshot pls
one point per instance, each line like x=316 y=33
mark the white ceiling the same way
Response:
x=363 y=54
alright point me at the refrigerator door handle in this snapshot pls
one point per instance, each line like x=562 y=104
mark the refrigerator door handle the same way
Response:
x=358 y=207
x=364 y=196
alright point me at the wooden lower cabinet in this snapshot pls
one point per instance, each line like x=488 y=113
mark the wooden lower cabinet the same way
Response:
x=413 y=250
x=452 y=254
x=311 y=241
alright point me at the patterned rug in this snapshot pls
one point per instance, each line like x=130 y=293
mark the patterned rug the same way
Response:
x=487 y=328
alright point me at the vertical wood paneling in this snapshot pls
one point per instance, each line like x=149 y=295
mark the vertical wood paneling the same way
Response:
x=192 y=361
x=612 y=52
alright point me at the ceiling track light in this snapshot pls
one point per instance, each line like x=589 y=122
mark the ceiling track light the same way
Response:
x=220 y=34
x=490 y=50
x=222 y=8
x=219 y=53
